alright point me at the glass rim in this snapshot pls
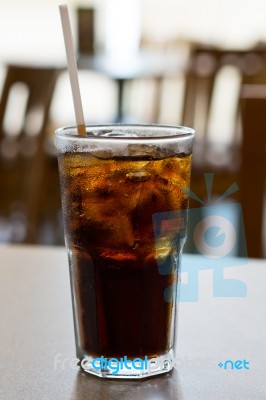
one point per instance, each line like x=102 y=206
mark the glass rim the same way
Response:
x=178 y=131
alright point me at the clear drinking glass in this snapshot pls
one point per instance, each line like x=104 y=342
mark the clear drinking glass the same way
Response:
x=124 y=208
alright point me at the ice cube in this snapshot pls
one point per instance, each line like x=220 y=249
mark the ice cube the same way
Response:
x=147 y=151
x=111 y=133
x=138 y=176
x=103 y=154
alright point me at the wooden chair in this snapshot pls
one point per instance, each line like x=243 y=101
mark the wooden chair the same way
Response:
x=206 y=63
x=243 y=151
x=200 y=84
x=23 y=160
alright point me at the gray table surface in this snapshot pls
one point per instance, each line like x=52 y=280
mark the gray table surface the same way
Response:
x=37 y=342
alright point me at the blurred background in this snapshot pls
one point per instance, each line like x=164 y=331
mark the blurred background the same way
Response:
x=201 y=64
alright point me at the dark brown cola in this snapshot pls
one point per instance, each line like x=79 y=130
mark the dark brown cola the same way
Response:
x=108 y=206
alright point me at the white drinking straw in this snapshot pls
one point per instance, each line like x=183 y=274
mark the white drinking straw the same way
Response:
x=72 y=68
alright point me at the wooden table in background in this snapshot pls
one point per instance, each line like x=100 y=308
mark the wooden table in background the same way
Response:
x=144 y=64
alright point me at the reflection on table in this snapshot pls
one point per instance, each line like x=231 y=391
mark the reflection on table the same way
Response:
x=165 y=387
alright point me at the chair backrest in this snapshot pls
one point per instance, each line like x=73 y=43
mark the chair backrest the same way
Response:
x=245 y=154
x=86 y=21
x=24 y=116
x=200 y=85
x=253 y=170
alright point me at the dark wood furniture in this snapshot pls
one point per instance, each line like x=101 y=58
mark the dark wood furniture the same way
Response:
x=26 y=180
